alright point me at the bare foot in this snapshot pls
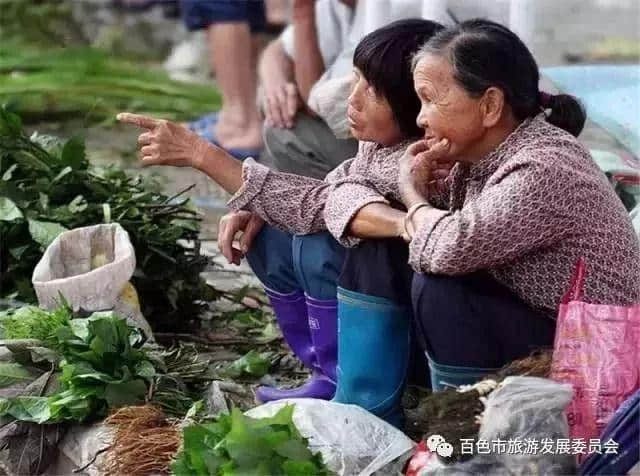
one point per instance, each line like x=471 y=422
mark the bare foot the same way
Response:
x=239 y=136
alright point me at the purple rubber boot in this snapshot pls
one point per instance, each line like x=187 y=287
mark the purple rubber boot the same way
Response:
x=313 y=344
x=323 y=324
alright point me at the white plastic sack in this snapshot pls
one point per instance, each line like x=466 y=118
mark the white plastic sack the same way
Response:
x=91 y=268
x=352 y=441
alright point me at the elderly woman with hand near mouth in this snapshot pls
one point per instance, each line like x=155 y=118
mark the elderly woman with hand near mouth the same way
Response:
x=526 y=202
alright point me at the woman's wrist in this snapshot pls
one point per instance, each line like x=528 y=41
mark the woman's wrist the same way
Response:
x=398 y=225
x=203 y=152
x=412 y=198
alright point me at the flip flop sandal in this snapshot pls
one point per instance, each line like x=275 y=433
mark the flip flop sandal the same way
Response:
x=200 y=125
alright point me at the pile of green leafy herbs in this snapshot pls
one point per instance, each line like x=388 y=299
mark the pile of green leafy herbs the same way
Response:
x=87 y=83
x=47 y=186
x=31 y=322
x=236 y=444
x=101 y=362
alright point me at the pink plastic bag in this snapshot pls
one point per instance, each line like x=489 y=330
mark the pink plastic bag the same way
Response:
x=597 y=350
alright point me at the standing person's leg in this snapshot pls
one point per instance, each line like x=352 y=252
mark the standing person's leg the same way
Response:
x=374 y=320
x=292 y=269
x=230 y=24
x=472 y=325
x=309 y=148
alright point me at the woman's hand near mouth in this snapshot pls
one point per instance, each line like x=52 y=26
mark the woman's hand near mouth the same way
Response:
x=423 y=169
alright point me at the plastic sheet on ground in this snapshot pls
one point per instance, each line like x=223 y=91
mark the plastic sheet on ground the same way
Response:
x=91 y=268
x=83 y=447
x=352 y=441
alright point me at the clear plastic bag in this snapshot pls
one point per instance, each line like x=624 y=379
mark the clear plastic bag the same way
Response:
x=520 y=409
x=91 y=268
x=352 y=441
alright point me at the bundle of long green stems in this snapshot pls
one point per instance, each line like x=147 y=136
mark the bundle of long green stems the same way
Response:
x=85 y=82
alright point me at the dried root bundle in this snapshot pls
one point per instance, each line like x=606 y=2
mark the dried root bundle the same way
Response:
x=453 y=415
x=145 y=442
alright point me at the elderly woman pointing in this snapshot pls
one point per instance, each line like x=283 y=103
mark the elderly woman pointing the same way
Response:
x=526 y=201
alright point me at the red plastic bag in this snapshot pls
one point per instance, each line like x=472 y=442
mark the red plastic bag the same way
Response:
x=597 y=350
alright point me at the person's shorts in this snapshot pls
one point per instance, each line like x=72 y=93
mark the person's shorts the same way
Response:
x=198 y=14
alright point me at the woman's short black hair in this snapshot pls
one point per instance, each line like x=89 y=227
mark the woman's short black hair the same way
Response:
x=384 y=59
x=485 y=54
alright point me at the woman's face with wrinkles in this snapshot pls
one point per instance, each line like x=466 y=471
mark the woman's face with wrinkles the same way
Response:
x=370 y=115
x=447 y=110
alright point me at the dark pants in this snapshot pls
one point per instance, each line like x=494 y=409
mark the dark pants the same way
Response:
x=199 y=14
x=474 y=321
x=468 y=321
x=286 y=263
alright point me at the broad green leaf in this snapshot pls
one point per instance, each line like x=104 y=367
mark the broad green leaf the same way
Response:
x=34 y=409
x=10 y=123
x=270 y=333
x=27 y=160
x=18 y=251
x=126 y=393
x=300 y=468
x=11 y=373
x=253 y=363
x=73 y=153
x=294 y=449
x=44 y=232
x=145 y=369
x=184 y=223
x=9 y=211
x=41 y=354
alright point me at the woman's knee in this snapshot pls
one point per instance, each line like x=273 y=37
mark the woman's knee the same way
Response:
x=317 y=261
x=270 y=258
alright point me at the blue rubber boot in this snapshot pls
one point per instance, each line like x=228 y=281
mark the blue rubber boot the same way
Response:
x=453 y=376
x=373 y=354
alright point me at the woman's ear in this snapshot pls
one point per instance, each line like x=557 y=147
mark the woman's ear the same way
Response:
x=492 y=106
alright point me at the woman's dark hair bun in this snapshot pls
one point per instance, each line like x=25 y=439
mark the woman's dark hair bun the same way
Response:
x=567 y=113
